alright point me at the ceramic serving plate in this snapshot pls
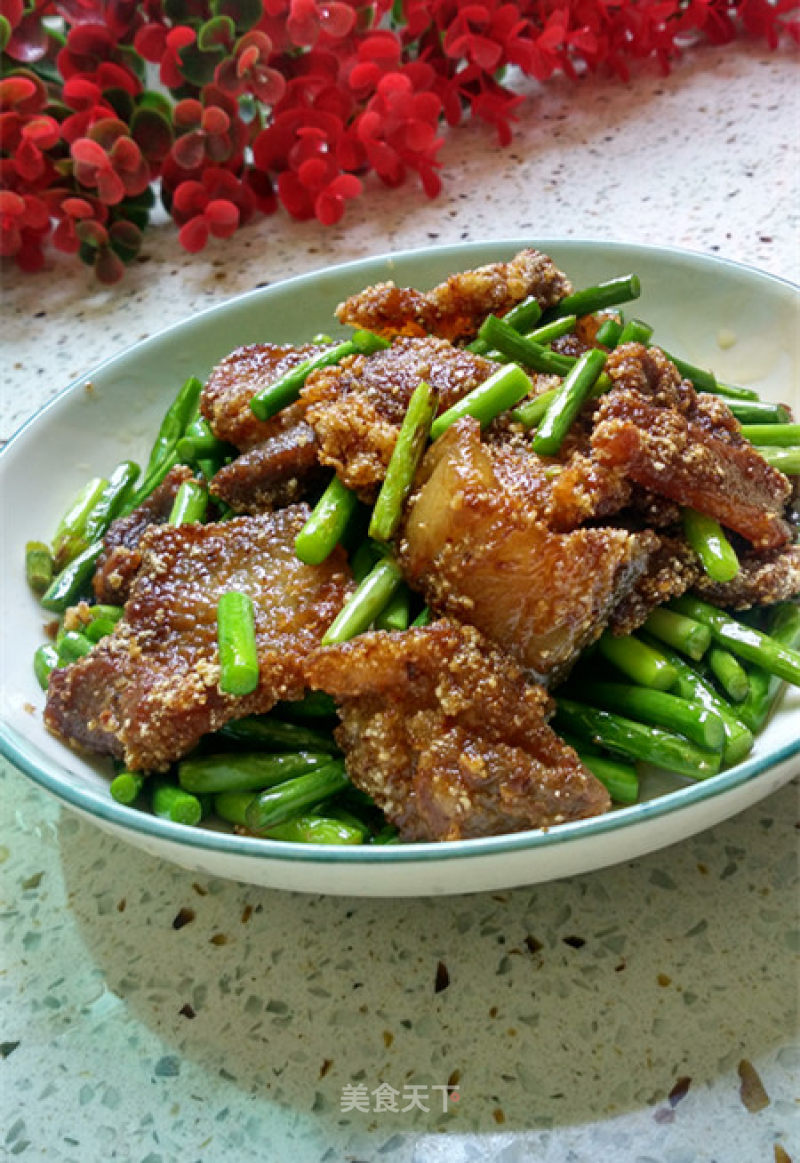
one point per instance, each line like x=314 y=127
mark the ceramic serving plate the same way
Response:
x=739 y=321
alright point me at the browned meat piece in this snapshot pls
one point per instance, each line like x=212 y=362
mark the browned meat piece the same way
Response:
x=665 y=437
x=456 y=308
x=442 y=730
x=585 y=490
x=280 y=463
x=672 y=569
x=270 y=475
x=764 y=578
x=635 y=368
x=480 y=555
x=357 y=407
x=149 y=691
x=664 y=452
x=120 y=560
x=225 y=400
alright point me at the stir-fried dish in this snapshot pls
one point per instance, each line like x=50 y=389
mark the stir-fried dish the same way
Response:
x=454 y=576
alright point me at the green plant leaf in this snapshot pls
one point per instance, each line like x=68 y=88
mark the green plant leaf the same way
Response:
x=219 y=32
x=126 y=239
x=121 y=102
x=150 y=99
x=183 y=12
x=198 y=66
x=244 y=13
x=152 y=132
x=5 y=33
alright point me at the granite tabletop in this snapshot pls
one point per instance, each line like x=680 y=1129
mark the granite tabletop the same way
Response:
x=646 y=1013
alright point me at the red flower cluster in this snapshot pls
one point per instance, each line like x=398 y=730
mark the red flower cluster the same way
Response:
x=291 y=102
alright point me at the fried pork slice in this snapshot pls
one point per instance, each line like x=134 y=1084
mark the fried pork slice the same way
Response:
x=279 y=462
x=270 y=475
x=763 y=578
x=673 y=568
x=357 y=407
x=480 y=554
x=150 y=690
x=665 y=437
x=455 y=309
x=225 y=399
x=442 y=730
x=120 y=560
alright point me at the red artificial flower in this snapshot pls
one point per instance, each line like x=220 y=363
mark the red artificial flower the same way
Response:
x=91 y=48
x=24 y=222
x=290 y=100
x=247 y=70
x=208 y=131
x=216 y=206
x=162 y=46
x=308 y=21
x=111 y=162
x=398 y=131
x=315 y=186
x=69 y=211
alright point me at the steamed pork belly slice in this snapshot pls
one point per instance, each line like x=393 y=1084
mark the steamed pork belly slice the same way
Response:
x=357 y=407
x=665 y=452
x=443 y=731
x=763 y=579
x=456 y=308
x=275 y=473
x=150 y=690
x=119 y=562
x=225 y=399
x=480 y=555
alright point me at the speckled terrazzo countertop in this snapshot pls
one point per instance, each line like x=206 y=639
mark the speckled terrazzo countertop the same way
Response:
x=643 y=1014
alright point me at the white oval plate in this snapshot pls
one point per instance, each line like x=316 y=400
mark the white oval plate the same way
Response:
x=739 y=321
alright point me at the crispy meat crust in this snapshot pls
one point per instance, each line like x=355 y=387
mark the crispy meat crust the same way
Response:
x=357 y=407
x=455 y=309
x=481 y=556
x=225 y=400
x=443 y=731
x=149 y=691
x=762 y=580
x=672 y=569
x=665 y=437
x=278 y=472
x=120 y=560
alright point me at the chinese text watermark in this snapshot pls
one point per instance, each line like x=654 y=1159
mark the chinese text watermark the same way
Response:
x=356 y=1096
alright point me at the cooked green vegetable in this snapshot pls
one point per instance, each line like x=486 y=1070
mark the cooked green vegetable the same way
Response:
x=38 y=566
x=640 y=662
x=764 y=687
x=672 y=712
x=689 y=684
x=325 y=527
x=501 y=391
x=596 y=298
x=707 y=538
x=685 y=634
x=236 y=635
x=743 y=641
x=362 y=607
x=562 y=410
x=190 y=504
x=637 y=740
x=251 y=771
x=521 y=317
x=294 y=796
x=173 y=803
x=729 y=673
x=409 y=447
x=286 y=389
